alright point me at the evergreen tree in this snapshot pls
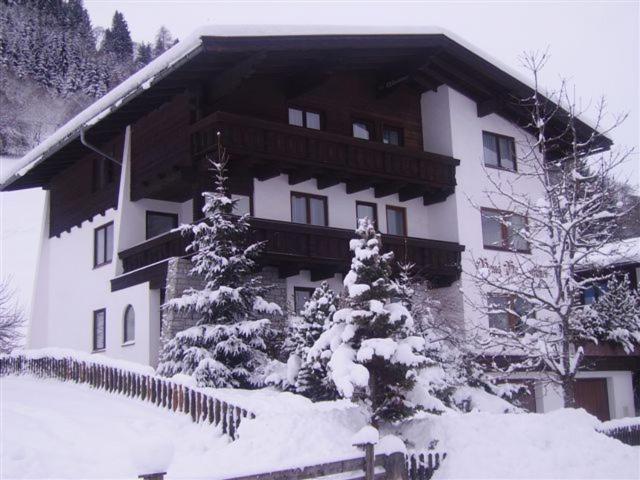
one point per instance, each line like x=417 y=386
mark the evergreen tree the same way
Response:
x=227 y=346
x=117 y=39
x=615 y=315
x=143 y=55
x=376 y=353
x=164 y=41
x=312 y=379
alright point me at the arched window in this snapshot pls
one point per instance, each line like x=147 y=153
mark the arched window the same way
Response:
x=129 y=324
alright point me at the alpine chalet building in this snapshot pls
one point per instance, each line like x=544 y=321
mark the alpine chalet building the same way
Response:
x=321 y=129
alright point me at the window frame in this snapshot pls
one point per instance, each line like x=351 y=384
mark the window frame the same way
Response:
x=307 y=197
x=128 y=341
x=399 y=130
x=512 y=142
x=304 y=111
x=504 y=231
x=514 y=321
x=375 y=211
x=309 y=290
x=95 y=348
x=96 y=232
x=148 y=213
x=404 y=219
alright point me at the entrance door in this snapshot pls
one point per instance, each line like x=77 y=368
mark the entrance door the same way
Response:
x=591 y=394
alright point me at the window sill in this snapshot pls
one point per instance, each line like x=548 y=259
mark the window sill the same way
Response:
x=100 y=350
x=505 y=249
x=129 y=343
x=95 y=267
x=502 y=169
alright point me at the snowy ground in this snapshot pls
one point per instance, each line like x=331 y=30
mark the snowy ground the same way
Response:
x=62 y=430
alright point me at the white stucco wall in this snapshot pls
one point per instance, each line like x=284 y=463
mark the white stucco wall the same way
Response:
x=272 y=200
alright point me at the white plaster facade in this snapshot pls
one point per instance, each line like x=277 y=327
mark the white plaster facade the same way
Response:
x=68 y=288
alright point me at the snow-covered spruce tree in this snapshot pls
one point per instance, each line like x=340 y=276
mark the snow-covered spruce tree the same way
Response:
x=539 y=289
x=615 y=315
x=312 y=378
x=227 y=346
x=375 y=352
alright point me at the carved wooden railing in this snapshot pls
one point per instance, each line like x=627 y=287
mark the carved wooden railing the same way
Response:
x=308 y=246
x=341 y=155
x=162 y=392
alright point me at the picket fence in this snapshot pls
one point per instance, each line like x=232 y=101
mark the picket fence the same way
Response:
x=629 y=434
x=159 y=391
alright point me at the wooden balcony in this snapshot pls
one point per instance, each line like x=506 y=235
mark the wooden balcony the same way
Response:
x=269 y=149
x=292 y=247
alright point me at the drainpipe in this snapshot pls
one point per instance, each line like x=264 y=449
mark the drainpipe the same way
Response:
x=84 y=142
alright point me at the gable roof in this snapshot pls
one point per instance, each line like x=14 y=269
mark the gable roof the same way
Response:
x=436 y=55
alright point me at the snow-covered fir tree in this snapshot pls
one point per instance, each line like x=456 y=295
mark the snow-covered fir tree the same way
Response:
x=312 y=377
x=117 y=39
x=375 y=351
x=615 y=315
x=227 y=346
x=536 y=296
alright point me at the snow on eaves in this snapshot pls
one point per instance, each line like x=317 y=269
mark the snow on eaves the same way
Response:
x=144 y=78
x=622 y=252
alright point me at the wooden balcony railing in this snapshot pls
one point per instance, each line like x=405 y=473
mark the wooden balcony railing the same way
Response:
x=286 y=148
x=292 y=247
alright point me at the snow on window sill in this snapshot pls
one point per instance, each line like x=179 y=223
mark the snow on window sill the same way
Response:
x=130 y=342
x=99 y=350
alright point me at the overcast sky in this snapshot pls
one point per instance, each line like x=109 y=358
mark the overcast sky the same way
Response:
x=593 y=44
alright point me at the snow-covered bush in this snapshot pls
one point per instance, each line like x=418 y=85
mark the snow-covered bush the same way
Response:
x=309 y=373
x=375 y=353
x=227 y=346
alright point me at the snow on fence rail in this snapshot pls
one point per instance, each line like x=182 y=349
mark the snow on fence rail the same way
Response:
x=112 y=377
x=627 y=430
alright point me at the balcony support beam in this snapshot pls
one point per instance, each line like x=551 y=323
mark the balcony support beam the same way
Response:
x=386 y=189
x=299 y=177
x=354 y=186
x=326 y=181
x=410 y=192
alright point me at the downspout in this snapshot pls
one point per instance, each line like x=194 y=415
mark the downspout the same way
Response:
x=84 y=142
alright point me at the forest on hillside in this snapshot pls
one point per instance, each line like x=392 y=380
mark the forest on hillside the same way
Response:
x=54 y=62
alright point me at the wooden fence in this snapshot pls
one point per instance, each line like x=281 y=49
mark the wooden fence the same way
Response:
x=159 y=391
x=422 y=465
x=628 y=434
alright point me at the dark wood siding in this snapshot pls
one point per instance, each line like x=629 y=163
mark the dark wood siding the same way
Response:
x=72 y=195
x=160 y=146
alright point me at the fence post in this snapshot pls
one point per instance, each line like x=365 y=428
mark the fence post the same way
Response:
x=396 y=466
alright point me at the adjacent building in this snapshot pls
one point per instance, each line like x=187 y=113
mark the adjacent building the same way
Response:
x=321 y=129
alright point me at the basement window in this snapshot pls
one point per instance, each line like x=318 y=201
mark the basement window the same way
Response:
x=301 y=295
x=103 y=245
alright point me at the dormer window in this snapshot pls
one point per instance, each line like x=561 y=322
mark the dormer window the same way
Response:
x=305 y=118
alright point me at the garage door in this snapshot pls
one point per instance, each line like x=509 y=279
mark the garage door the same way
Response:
x=591 y=394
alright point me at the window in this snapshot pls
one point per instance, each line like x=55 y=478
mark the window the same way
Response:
x=301 y=295
x=392 y=135
x=499 y=151
x=129 y=325
x=304 y=118
x=242 y=205
x=362 y=130
x=160 y=222
x=507 y=312
x=310 y=209
x=103 y=173
x=593 y=292
x=103 y=245
x=396 y=221
x=368 y=210
x=99 y=329
x=501 y=230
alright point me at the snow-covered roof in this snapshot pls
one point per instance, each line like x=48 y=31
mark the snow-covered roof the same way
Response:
x=622 y=252
x=185 y=49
